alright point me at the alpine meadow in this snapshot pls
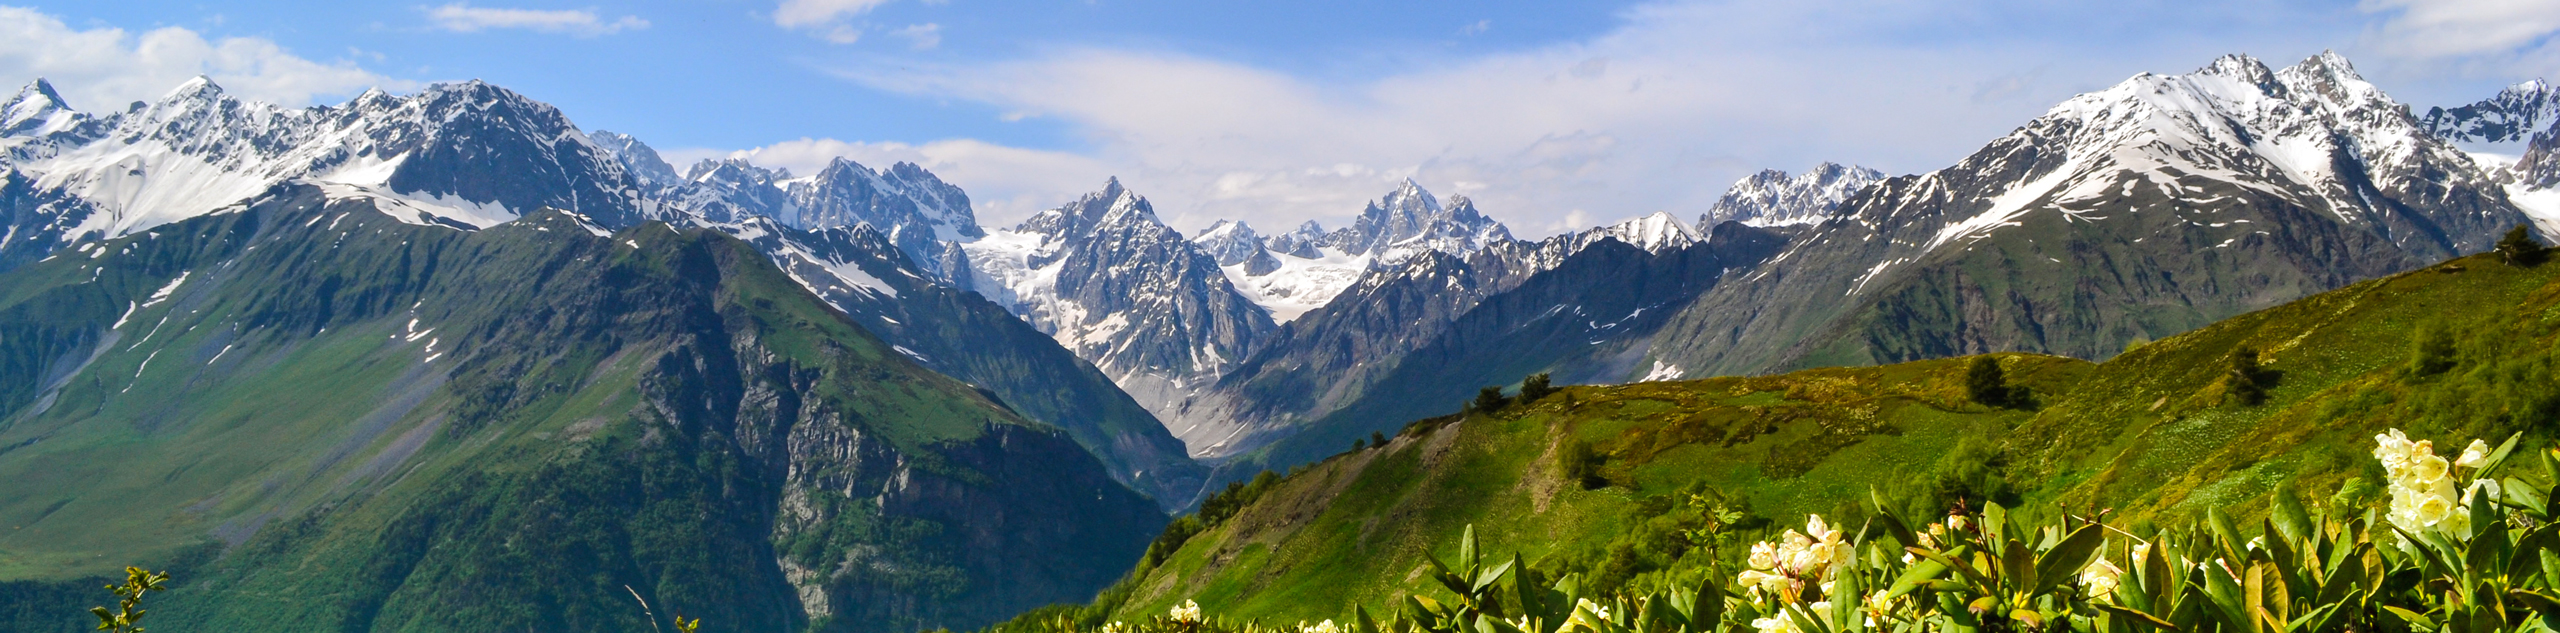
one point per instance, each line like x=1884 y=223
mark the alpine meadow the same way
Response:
x=1634 y=316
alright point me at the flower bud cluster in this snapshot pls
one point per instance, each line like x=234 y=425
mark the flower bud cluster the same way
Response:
x=1783 y=566
x=2423 y=494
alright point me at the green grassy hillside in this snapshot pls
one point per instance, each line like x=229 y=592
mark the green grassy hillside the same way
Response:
x=1355 y=528
x=2163 y=432
x=327 y=419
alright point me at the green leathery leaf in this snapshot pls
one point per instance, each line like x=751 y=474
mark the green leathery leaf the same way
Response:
x=2068 y=557
x=1920 y=571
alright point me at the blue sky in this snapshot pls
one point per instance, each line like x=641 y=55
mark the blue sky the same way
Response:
x=1552 y=115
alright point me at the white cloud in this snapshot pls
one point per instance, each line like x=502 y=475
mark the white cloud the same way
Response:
x=105 y=68
x=1661 y=114
x=921 y=36
x=800 y=13
x=2446 y=28
x=464 y=18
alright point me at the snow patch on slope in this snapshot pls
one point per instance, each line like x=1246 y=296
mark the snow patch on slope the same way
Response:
x=1300 y=284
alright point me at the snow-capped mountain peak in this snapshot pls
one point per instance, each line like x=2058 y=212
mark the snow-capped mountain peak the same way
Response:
x=2233 y=129
x=1655 y=232
x=2506 y=120
x=1409 y=220
x=36 y=110
x=1774 y=198
x=1112 y=283
x=1231 y=242
x=640 y=160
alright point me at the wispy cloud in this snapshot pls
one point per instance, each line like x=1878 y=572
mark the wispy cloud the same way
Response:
x=104 y=68
x=464 y=18
x=800 y=13
x=921 y=36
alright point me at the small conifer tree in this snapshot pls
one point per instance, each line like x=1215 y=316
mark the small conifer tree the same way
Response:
x=1536 y=387
x=2433 y=353
x=1490 y=400
x=1984 y=382
x=2244 y=379
x=2519 y=248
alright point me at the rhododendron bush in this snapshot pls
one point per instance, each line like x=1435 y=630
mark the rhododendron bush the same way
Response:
x=2465 y=544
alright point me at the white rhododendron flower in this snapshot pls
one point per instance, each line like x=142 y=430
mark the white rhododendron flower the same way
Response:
x=2473 y=456
x=2423 y=492
x=1780 y=624
x=1188 y=612
x=1326 y=626
x=2101 y=578
x=1764 y=555
x=1796 y=557
x=1587 y=615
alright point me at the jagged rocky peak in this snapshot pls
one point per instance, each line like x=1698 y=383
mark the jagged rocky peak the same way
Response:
x=1231 y=242
x=1301 y=242
x=1113 y=205
x=907 y=201
x=734 y=171
x=640 y=160
x=35 y=110
x=2513 y=116
x=1409 y=220
x=1774 y=198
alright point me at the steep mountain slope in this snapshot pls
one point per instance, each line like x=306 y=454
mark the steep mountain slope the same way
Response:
x=1337 y=355
x=430 y=156
x=1354 y=528
x=1589 y=319
x=1119 y=288
x=388 y=426
x=2155 y=433
x=960 y=334
x=2150 y=208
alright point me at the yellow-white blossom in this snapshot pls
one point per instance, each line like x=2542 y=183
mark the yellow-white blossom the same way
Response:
x=1116 y=627
x=2423 y=493
x=2101 y=578
x=1586 y=615
x=2473 y=456
x=1764 y=555
x=1780 y=624
x=1326 y=626
x=1189 y=611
